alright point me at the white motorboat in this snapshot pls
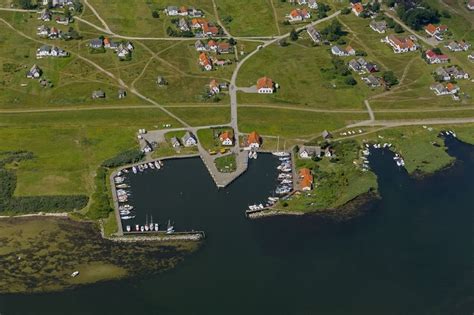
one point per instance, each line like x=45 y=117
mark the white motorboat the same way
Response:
x=151 y=165
x=156 y=227
x=157 y=165
x=145 y=166
x=129 y=228
x=275 y=199
x=170 y=228
x=287 y=181
x=128 y=217
x=142 y=228
x=137 y=227
x=281 y=153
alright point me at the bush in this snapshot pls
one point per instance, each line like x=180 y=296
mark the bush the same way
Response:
x=123 y=158
x=398 y=28
x=350 y=80
x=390 y=78
x=345 y=11
x=155 y=14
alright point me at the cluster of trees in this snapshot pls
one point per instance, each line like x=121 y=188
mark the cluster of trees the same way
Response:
x=35 y=203
x=100 y=202
x=333 y=31
x=178 y=33
x=126 y=157
x=25 y=4
x=341 y=69
x=390 y=78
x=415 y=13
x=323 y=9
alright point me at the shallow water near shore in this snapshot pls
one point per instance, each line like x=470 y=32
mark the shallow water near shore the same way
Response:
x=411 y=253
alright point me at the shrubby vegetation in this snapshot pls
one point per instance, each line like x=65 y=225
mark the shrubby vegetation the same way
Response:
x=415 y=13
x=126 y=157
x=31 y=204
x=333 y=31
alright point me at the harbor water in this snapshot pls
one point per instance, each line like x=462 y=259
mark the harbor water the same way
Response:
x=410 y=253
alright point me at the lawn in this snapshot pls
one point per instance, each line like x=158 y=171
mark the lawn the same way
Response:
x=292 y=123
x=297 y=70
x=165 y=149
x=226 y=164
x=69 y=146
x=209 y=138
x=202 y=116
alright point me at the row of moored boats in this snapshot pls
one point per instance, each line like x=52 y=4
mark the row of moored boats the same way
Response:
x=150 y=165
x=285 y=178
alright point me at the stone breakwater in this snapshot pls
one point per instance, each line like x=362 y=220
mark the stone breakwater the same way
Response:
x=157 y=238
x=271 y=213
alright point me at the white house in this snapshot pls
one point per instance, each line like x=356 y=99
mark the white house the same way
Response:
x=400 y=45
x=226 y=138
x=188 y=139
x=34 y=73
x=172 y=10
x=265 y=85
x=175 y=142
x=378 y=26
x=308 y=152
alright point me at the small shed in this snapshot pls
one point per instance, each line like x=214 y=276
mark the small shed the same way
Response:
x=98 y=94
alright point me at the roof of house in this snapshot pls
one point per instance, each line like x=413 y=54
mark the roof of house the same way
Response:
x=401 y=42
x=226 y=135
x=211 y=43
x=213 y=84
x=326 y=134
x=224 y=46
x=253 y=137
x=451 y=87
x=306 y=177
x=264 y=82
x=358 y=7
x=430 y=28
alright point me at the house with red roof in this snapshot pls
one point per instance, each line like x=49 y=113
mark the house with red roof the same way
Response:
x=227 y=138
x=298 y=15
x=436 y=31
x=357 y=8
x=254 y=140
x=205 y=62
x=306 y=179
x=400 y=45
x=432 y=57
x=265 y=85
x=212 y=45
x=214 y=87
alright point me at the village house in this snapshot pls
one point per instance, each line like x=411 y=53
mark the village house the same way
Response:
x=470 y=5
x=199 y=45
x=124 y=50
x=265 y=85
x=372 y=81
x=306 y=179
x=57 y=3
x=122 y=93
x=214 y=87
x=208 y=29
x=357 y=8
x=314 y=34
x=471 y=56
x=54 y=33
x=193 y=12
x=254 y=141
x=45 y=15
x=205 y=62
x=63 y=20
x=441 y=89
x=42 y=31
x=183 y=25
x=175 y=142
x=400 y=45
x=436 y=31
x=96 y=43
x=34 y=73
x=189 y=139
x=98 y=94
x=378 y=26
x=298 y=15
x=212 y=45
x=456 y=46
x=171 y=10
x=309 y=152
x=326 y=135
x=49 y=51
x=227 y=138
x=355 y=66
x=433 y=58
x=343 y=52
x=451 y=73
x=183 y=11
x=161 y=81
x=223 y=48
x=312 y=4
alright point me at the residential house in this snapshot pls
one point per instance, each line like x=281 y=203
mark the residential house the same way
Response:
x=458 y=46
x=306 y=179
x=212 y=45
x=98 y=94
x=189 y=139
x=198 y=23
x=309 y=152
x=371 y=81
x=63 y=20
x=45 y=15
x=54 y=33
x=214 y=87
x=436 y=31
x=183 y=25
x=379 y=26
x=441 y=89
x=371 y=67
x=183 y=11
x=451 y=73
x=227 y=138
x=470 y=5
x=171 y=10
x=175 y=142
x=34 y=73
x=357 y=8
x=96 y=43
x=122 y=93
x=205 y=62
x=355 y=66
x=193 y=12
x=400 y=45
x=122 y=51
x=326 y=135
x=265 y=85
x=210 y=29
x=471 y=56
x=199 y=45
x=314 y=34
x=433 y=58
x=161 y=81
x=312 y=4
x=223 y=48
x=43 y=31
x=298 y=15
x=254 y=140
x=48 y=51
x=442 y=74
x=343 y=52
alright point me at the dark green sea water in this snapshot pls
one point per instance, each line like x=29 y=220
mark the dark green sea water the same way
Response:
x=411 y=253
